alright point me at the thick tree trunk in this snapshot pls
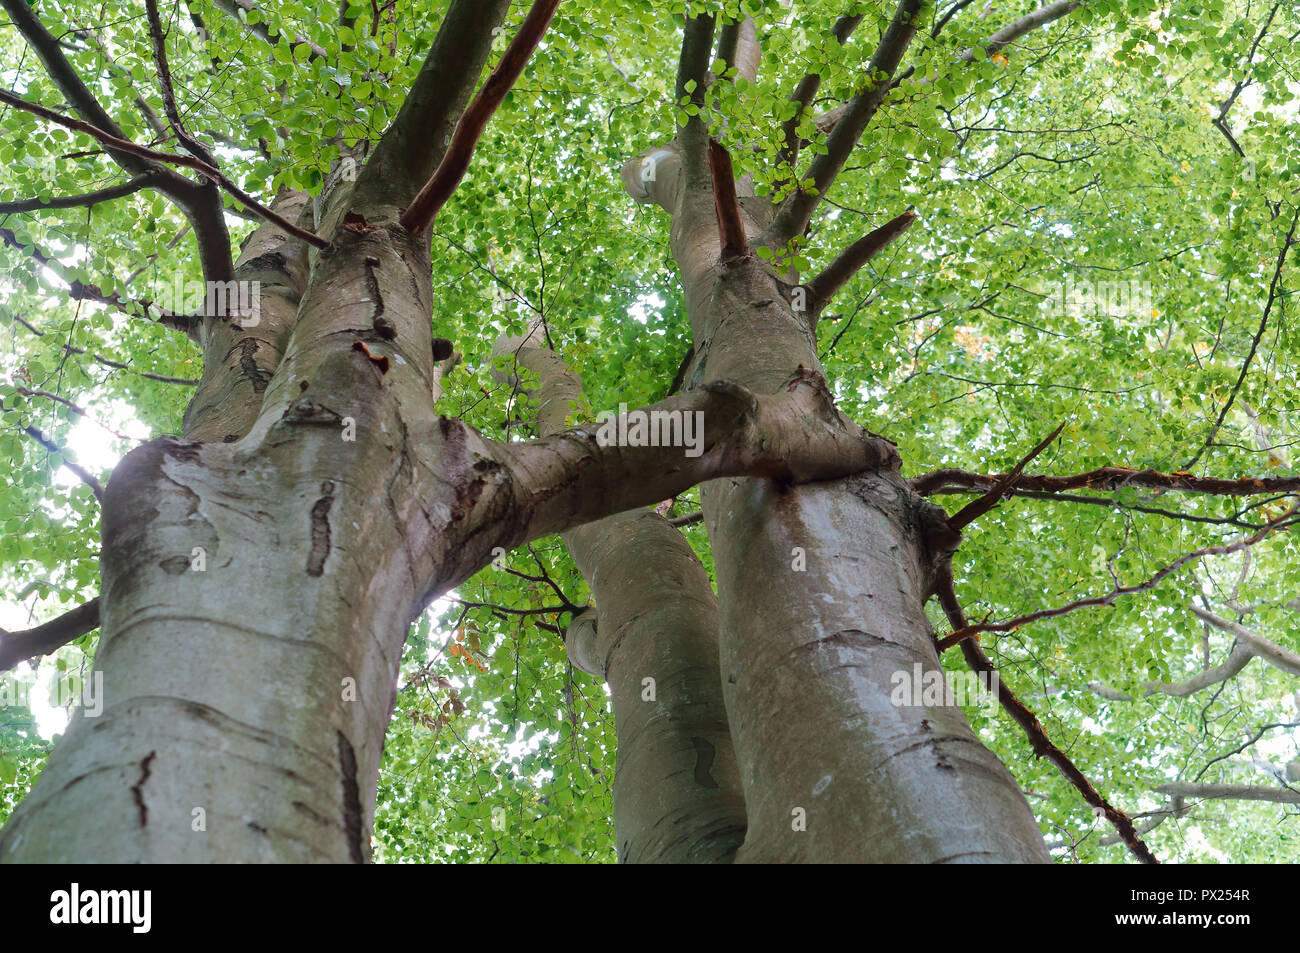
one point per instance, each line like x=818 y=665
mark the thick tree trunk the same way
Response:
x=822 y=591
x=653 y=637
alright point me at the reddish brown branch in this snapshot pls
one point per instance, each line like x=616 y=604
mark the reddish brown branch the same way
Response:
x=977 y=508
x=1103 y=478
x=835 y=275
x=1034 y=730
x=18 y=647
x=965 y=632
x=114 y=143
x=731 y=230
x=159 y=43
x=455 y=162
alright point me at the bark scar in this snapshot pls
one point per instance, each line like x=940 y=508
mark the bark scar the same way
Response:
x=351 y=799
x=137 y=792
x=259 y=378
x=320 y=530
x=383 y=327
x=704 y=754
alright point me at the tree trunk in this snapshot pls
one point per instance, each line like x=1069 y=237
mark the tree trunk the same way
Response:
x=653 y=638
x=822 y=591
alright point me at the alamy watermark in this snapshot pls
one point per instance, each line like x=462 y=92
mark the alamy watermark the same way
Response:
x=240 y=301
x=652 y=428
x=1115 y=298
x=936 y=687
x=65 y=693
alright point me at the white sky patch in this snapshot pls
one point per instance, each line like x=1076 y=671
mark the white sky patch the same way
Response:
x=98 y=450
x=644 y=305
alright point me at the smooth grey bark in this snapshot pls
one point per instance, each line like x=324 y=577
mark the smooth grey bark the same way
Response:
x=822 y=591
x=653 y=638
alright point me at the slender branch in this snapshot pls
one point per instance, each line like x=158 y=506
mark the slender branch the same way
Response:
x=966 y=632
x=72 y=406
x=455 y=162
x=1260 y=647
x=83 y=200
x=977 y=508
x=1032 y=21
x=1033 y=728
x=806 y=91
x=18 y=647
x=1239 y=792
x=1237 y=660
x=731 y=230
x=159 y=43
x=109 y=362
x=1104 y=478
x=82 y=473
x=127 y=147
x=835 y=275
x=1273 y=292
x=80 y=291
x=200 y=204
x=259 y=30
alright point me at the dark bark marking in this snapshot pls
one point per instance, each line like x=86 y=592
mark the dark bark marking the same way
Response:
x=257 y=377
x=704 y=754
x=383 y=327
x=442 y=349
x=320 y=530
x=186 y=451
x=146 y=768
x=257 y=827
x=270 y=261
x=302 y=808
x=351 y=799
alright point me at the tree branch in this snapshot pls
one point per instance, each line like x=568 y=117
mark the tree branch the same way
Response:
x=1238 y=792
x=806 y=91
x=127 y=147
x=1042 y=745
x=1103 y=478
x=835 y=275
x=965 y=633
x=18 y=647
x=200 y=205
x=82 y=473
x=455 y=162
x=577 y=476
x=1273 y=293
x=159 y=44
x=731 y=230
x=1237 y=660
x=1264 y=649
x=977 y=508
x=84 y=200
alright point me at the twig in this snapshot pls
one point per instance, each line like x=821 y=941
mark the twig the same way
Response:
x=964 y=633
x=977 y=508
